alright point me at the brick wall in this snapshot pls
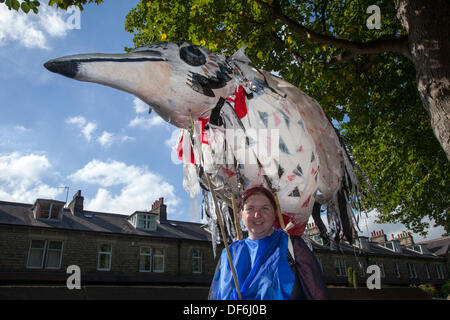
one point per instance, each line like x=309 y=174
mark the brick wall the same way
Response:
x=329 y=270
x=81 y=248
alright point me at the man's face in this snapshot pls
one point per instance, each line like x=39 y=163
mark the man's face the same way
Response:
x=258 y=216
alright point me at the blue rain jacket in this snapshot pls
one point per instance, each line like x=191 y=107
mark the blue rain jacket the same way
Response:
x=262 y=270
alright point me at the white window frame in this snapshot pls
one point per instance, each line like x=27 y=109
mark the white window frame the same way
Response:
x=397 y=270
x=439 y=272
x=144 y=221
x=341 y=267
x=53 y=250
x=427 y=271
x=412 y=271
x=381 y=266
x=317 y=238
x=144 y=255
x=108 y=253
x=319 y=260
x=362 y=268
x=154 y=255
x=43 y=254
x=38 y=212
x=197 y=255
x=45 y=251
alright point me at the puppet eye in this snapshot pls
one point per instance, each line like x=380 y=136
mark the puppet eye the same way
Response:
x=192 y=55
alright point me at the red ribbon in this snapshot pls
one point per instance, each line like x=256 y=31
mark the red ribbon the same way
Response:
x=240 y=105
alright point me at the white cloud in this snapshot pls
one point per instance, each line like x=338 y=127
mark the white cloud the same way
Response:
x=172 y=143
x=138 y=187
x=21 y=129
x=140 y=106
x=21 y=177
x=146 y=122
x=87 y=128
x=31 y=30
x=79 y=121
x=107 y=139
x=143 y=120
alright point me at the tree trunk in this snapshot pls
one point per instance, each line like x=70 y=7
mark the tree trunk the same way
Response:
x=428 y=26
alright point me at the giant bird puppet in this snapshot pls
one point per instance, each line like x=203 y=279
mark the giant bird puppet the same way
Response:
x=255 y=129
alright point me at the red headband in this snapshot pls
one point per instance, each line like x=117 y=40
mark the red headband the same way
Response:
x=254 y=190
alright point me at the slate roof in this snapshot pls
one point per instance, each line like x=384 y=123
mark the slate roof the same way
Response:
x=12 y=213
x=374 y=249
x=439 y=247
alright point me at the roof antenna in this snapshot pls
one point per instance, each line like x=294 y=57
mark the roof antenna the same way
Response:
x=67 y=193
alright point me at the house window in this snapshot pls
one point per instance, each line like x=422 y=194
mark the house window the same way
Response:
x=158 y=260
x=341 y=267
x=145 y=260
x=151 y=259
x=362 y=269
x=197 y=261
x=362 y=243
x=439 y=272
x=397 y=270
x=104 y=257
x=317 y=238
x=48 y=210
x=412 y=271
x=319 y=261
x=427 y=271
x=54 y=254
x=146 y=221
x=36 y=254
x=143 y=221
x=381 y=266
x=46 y=253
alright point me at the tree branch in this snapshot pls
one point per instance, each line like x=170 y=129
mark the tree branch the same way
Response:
x=295 y=54
x=386 y=43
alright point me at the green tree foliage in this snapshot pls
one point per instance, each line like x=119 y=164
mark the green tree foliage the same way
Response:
x=32 y=5
x=362 y=78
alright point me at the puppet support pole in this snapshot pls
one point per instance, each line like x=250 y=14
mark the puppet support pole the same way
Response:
x=236 y=219
x=219 y=216
x=280 y=217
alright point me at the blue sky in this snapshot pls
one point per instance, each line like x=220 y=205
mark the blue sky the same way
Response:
x=57 y=132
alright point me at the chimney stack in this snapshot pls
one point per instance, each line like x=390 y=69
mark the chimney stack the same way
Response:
x=160 y=208
x=378 y=236
x=76 y=205
x=312 y=229
x=405 y=239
